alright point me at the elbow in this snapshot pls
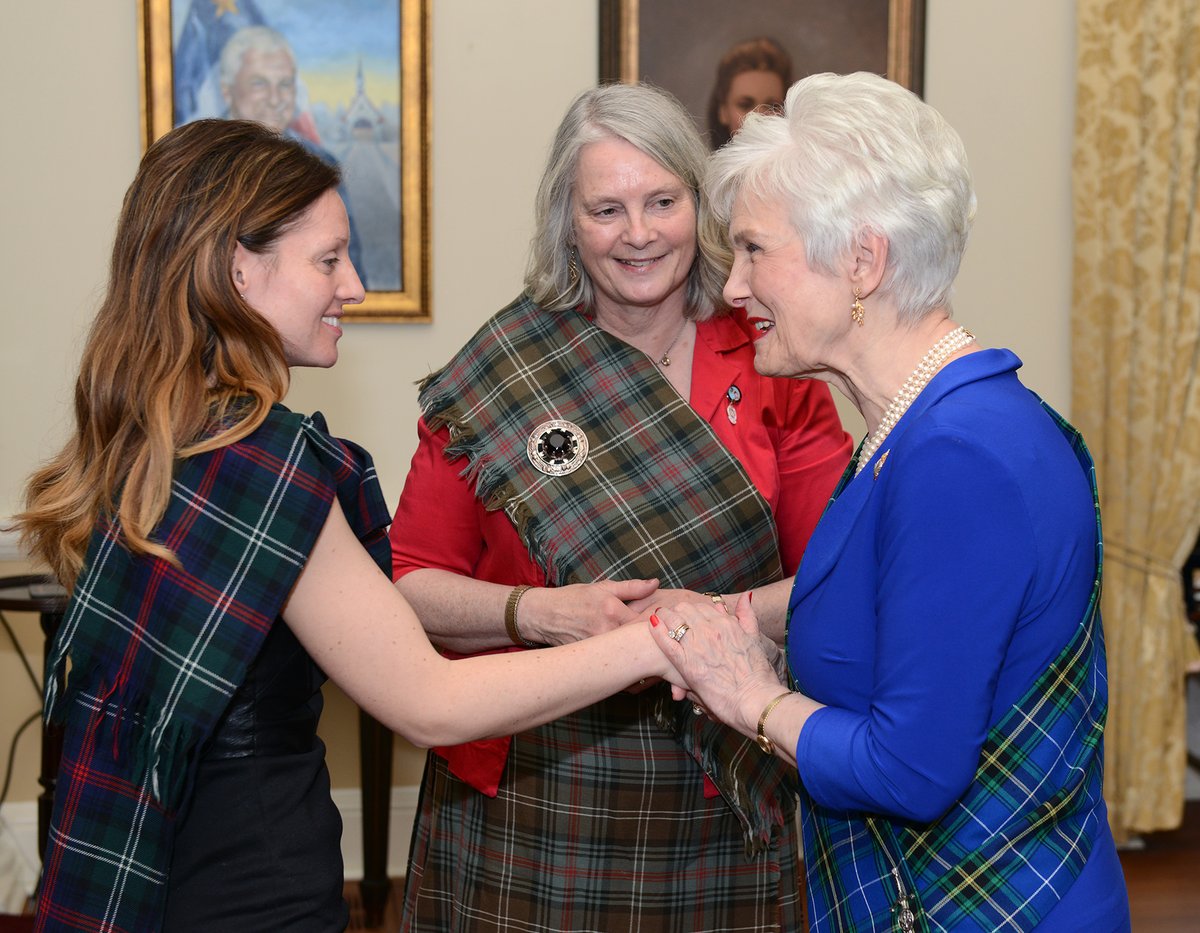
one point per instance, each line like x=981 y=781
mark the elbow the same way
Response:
x=849 y=765
x=423 y=734
x=923 y=798
x=415 y=728
x=923 y=808
x=429 y=732
x=915 y=787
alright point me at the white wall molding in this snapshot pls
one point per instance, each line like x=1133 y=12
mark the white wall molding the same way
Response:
x=19 y=859
x=403 y=812
x=18 y=855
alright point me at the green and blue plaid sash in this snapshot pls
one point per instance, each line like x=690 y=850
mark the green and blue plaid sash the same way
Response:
x=157 y=651
x=1036 y=790
x=658 y=495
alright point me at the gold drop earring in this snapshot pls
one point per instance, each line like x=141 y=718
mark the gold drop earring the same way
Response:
x=857 y=311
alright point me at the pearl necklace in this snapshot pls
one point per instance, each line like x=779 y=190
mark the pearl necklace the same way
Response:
x=930 y=363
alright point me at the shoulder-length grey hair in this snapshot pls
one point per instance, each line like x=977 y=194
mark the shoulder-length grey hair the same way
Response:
x=656 y=123
x=858 y=152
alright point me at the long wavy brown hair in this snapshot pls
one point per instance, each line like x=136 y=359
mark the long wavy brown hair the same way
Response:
x=176 y=363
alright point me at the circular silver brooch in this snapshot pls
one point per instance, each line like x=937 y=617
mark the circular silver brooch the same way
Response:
x=557 y=447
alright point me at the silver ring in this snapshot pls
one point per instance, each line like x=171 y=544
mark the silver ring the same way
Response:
x=679 y=631
x=697 y=709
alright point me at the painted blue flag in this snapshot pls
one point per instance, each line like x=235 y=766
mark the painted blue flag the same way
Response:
x=206 y=28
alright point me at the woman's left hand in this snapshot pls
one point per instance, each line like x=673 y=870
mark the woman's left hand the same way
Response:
x=720 y=657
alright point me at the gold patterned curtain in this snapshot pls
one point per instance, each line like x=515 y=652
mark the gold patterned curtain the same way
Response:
x=1135 y=386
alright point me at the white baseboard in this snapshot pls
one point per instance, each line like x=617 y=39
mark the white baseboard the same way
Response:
x=403 y=812
x=19 y=863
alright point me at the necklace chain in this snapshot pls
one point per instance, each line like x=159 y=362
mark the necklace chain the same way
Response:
x=665 y=359
x=930 y=363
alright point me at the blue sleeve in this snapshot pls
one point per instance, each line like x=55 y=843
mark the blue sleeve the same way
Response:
x=955 y=556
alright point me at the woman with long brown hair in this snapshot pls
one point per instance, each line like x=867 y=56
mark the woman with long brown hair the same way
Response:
x=214 y=584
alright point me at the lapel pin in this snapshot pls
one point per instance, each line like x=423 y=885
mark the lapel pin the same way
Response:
x=734 y=394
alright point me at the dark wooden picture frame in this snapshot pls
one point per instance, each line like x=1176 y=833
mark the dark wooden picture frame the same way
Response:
x=677 y=44
x=358 y=95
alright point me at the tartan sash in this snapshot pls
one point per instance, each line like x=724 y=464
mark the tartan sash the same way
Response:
x=1036 y=789
x=158 y=650
x=658 y=495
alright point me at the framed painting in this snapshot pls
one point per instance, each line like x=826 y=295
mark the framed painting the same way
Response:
x=697 y=49
x=348 y=80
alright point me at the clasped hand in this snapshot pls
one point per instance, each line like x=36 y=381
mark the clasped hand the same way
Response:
x=719 y=656
x=565 y=614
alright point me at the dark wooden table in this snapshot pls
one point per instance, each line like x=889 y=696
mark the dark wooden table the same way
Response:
x=41 y=594
x=375 y=761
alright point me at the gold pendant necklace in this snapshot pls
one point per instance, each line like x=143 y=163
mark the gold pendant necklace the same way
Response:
x=665 y=359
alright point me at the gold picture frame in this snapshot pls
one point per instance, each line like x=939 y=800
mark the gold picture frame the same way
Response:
x=179 y=44
x=676 y=44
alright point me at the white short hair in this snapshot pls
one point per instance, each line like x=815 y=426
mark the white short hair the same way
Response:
x=259 y=38
x=858 y=152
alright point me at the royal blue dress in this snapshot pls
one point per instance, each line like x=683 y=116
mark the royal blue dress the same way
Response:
x=939 y=587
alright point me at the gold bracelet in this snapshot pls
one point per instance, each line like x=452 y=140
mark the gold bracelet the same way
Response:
x=510 y=617
x=717 y=600
x=764 y=743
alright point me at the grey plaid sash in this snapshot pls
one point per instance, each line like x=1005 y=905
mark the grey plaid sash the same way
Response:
x=657 y=496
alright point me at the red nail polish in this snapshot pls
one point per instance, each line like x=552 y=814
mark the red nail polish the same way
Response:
x=750 y=596
x=653 y=619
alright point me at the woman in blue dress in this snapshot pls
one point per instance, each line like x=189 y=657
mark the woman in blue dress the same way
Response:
x=947 y=692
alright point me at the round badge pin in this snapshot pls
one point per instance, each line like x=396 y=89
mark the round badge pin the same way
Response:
x=557 y=447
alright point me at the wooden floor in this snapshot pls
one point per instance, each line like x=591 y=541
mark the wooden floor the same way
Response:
x=1163 y=880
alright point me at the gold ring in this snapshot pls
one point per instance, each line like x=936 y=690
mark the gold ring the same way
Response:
x=679 y=631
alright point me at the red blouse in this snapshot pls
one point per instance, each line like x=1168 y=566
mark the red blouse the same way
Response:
x=787 y=435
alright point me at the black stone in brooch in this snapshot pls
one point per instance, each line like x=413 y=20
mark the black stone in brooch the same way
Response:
x=557 y=447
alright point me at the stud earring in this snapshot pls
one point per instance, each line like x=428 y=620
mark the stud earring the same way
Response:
x=857 y=311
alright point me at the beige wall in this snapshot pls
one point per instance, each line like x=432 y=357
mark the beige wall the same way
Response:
x=502 y=75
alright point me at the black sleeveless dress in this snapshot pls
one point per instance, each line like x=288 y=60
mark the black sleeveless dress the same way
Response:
x=259 y=846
